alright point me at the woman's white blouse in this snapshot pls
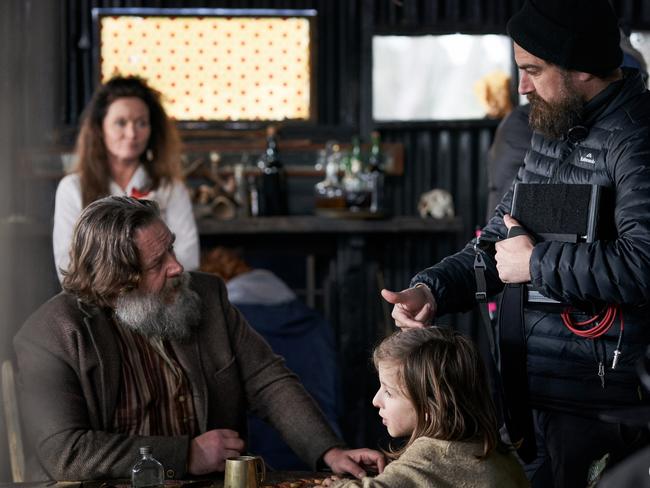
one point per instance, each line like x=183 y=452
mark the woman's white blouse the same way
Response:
x=175 y=209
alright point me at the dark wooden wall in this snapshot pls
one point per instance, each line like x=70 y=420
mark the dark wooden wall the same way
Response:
x=46 y=65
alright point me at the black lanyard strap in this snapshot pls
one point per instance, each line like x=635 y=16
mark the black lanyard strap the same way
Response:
x=481 y=298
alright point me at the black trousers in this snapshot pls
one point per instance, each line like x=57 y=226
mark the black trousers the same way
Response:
x=568 y=444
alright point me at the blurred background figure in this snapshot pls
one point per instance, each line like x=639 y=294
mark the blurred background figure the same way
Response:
x=126 y=146
x=296 y=332
x=506 y=154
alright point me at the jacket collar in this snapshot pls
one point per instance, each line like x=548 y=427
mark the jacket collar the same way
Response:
x=108 y=374
x=630 y=86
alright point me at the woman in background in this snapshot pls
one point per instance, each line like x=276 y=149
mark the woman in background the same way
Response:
x=126 y=146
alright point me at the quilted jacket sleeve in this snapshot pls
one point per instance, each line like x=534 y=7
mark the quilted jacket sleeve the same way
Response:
x=607 y=271
x=452 y=280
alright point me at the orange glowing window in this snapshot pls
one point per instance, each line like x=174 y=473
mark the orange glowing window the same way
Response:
x=214 y=64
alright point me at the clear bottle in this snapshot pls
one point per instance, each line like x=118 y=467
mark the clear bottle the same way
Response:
x=147 y=472
x=329 y=193
x=254 y=196
x=242 y=193
x=272 y=187
x=375 y=174
x=357 y=194
x=321 y=161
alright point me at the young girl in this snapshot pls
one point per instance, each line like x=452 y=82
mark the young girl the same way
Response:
x=434 y=392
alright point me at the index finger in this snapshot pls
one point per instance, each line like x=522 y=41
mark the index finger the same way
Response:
x=510 y=221
x=391 y=296
x=228 y=433
x=380 y=462
x=234 y=443
x=348 y=465
x=369 y=457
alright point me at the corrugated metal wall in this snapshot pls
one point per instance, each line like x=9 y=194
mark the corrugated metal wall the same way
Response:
x=444 y=155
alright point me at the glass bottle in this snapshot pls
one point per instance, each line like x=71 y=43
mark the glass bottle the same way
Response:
x=376 y=174
x=272 y=187
x=356 y=165
x=147 y=472
x=321 y=161
x=356 y=191
x=254 y=196
x=242 y=194
x=329 y=192
x=375 y=158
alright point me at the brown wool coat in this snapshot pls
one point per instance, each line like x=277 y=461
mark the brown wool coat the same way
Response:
x=432 y=463
x=69 y=377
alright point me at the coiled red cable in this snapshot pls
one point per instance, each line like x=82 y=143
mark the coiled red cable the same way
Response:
x=603 y=322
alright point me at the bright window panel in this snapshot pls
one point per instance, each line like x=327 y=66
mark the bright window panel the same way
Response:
x=223 y=69
x=436 y=77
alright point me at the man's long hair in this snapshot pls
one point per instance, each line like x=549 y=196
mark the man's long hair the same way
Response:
x=92 y=159
x=104 y=260
x=441 y=373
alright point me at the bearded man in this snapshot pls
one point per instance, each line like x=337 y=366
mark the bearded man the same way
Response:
x=591 y=123
x=136 y=352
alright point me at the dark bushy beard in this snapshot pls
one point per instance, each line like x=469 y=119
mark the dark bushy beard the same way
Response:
x=554 y=119
x=171 y=314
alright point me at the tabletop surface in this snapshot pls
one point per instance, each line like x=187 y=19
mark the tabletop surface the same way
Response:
x=274 y=479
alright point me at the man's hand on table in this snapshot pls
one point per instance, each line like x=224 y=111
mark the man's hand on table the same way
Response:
x=208 y=452
x=354 y=461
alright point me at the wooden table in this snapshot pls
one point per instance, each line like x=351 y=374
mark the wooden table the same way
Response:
x=272 y=477
x=216 y=482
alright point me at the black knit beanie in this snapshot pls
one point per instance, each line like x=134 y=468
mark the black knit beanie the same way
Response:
x=581 y=35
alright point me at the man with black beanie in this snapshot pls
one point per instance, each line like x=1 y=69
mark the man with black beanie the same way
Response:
x=591 y=122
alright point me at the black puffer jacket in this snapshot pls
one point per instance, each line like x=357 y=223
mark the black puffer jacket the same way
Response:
x=563 y=367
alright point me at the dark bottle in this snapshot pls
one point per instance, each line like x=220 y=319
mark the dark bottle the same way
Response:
x=272 y=187
x=375 y=159
x=376 y=174
x=357 y=196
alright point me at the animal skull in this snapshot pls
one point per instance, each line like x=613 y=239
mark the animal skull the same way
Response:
x=437 y=203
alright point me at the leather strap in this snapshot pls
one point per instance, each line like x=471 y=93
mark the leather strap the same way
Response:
x=518 y=415
x=481 y=298
x=511 y=378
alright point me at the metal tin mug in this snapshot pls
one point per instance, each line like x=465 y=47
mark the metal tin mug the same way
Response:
x=244 y=472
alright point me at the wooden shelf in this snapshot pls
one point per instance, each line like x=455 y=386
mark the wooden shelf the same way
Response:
x=323 y=225
x=298 y=156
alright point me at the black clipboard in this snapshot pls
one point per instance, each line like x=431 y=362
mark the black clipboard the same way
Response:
x=561 y=212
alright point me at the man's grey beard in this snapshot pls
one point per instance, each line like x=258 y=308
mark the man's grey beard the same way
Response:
x=554 y=119
x=152 y=315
